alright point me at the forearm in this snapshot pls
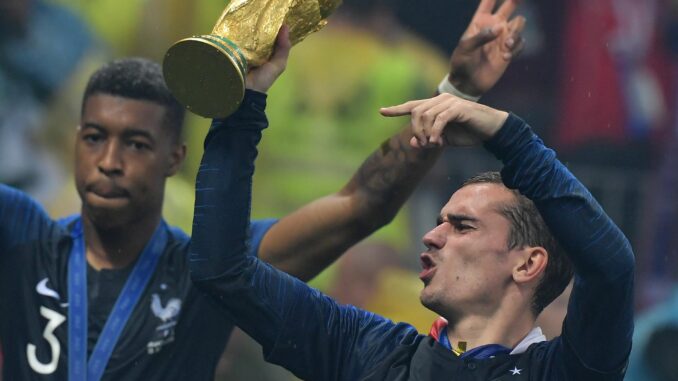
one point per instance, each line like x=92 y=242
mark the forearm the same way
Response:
x=387 y=178
x=594 y=243
x=218 y=252
x=310 y=239
x=599 y=322
x=223 y=191
x=297 y=326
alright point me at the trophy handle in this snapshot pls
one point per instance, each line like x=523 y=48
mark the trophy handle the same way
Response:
x=207 y=74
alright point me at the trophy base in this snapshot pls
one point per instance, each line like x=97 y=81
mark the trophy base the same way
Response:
x=206 y=74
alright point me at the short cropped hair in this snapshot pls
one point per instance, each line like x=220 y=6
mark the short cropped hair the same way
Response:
x=529 y=229
x=139 y=79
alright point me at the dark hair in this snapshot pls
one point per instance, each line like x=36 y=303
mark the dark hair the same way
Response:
x=529 y=229
x=140 y=79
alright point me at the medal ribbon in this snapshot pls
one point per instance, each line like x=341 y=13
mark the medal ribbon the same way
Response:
x=79 y=369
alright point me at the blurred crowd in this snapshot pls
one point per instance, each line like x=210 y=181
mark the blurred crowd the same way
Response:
x=597 y=79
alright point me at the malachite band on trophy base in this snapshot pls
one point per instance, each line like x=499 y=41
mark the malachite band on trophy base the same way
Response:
x=207 y=74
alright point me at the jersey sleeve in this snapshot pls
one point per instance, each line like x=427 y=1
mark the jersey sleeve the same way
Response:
x=298 y=327
x=599 y=324
x=21 y=219
x=258 y=229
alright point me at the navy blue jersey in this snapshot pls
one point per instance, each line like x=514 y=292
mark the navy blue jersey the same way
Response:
x=174 y=333
x=318 y=339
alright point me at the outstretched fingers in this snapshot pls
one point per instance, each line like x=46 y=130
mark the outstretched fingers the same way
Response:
x=506 y=9
x=485 y=6
x=471 y=43
x=515 y=42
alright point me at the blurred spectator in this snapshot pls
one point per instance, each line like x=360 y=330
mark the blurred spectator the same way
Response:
x=655 y=348
x=41 y=47
x=658 y=266
x=613 y=81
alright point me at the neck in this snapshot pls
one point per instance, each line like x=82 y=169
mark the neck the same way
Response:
x=506 y=327
x=117 y=247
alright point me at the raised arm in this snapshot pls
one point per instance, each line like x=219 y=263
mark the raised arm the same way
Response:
x=308 y=240
x=599 y=323
x=298 y=327
x=598 y=327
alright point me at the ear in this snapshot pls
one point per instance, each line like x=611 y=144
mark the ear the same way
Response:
x=176 y=158
x=531 y=265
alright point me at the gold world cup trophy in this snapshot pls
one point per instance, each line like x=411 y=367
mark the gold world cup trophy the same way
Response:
x=207 y=73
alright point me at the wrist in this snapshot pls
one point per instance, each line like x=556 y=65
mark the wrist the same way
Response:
x=500 y=118
x=454 y=87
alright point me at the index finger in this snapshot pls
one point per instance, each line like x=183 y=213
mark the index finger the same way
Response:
x=485 y=6
x=507 y=8
x=401 y=109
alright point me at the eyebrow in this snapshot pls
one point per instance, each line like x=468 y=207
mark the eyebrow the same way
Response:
x=456 y=218
x=93 y=126
x=131 y=132
x=127 y=133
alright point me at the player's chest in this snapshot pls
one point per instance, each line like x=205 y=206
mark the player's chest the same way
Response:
x=427 y=362
x=36 y=313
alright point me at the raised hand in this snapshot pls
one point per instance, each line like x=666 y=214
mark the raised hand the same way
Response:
x=486 y=48
x=261 y=78
x=448 y=120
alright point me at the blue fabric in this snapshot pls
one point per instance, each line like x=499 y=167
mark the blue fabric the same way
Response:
x=55 y=42
x=318 y=339
x=33 y=247
x=599 y=322
x=80 y=368
x=21 y=219
x=486 y=351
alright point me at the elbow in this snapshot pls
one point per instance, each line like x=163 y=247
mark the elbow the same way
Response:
x=222 y=280
x=627 y=260
x=208 y=264
x=620 y=269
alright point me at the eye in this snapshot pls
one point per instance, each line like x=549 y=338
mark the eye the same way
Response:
x=92 y=138
x=138 y=145
x=463 y=227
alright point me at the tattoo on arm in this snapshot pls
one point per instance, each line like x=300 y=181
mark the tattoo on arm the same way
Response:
x=392 y=172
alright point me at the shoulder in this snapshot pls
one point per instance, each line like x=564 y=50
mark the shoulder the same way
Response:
x=12 y=198
x=23 y=220
x=259 y=228
x=556 y=360
x=176 y=248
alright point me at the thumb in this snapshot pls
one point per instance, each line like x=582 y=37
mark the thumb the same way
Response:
x=470 y=43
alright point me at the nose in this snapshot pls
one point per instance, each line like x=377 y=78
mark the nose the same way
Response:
x=110 y=162
x=436 y=237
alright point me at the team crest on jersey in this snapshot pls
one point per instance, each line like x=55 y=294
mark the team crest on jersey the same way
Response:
x=168 y=314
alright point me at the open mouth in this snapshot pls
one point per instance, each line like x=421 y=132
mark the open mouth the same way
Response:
x=428 y=268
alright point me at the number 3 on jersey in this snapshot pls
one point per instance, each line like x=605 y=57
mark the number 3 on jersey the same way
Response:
x=54 y=320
